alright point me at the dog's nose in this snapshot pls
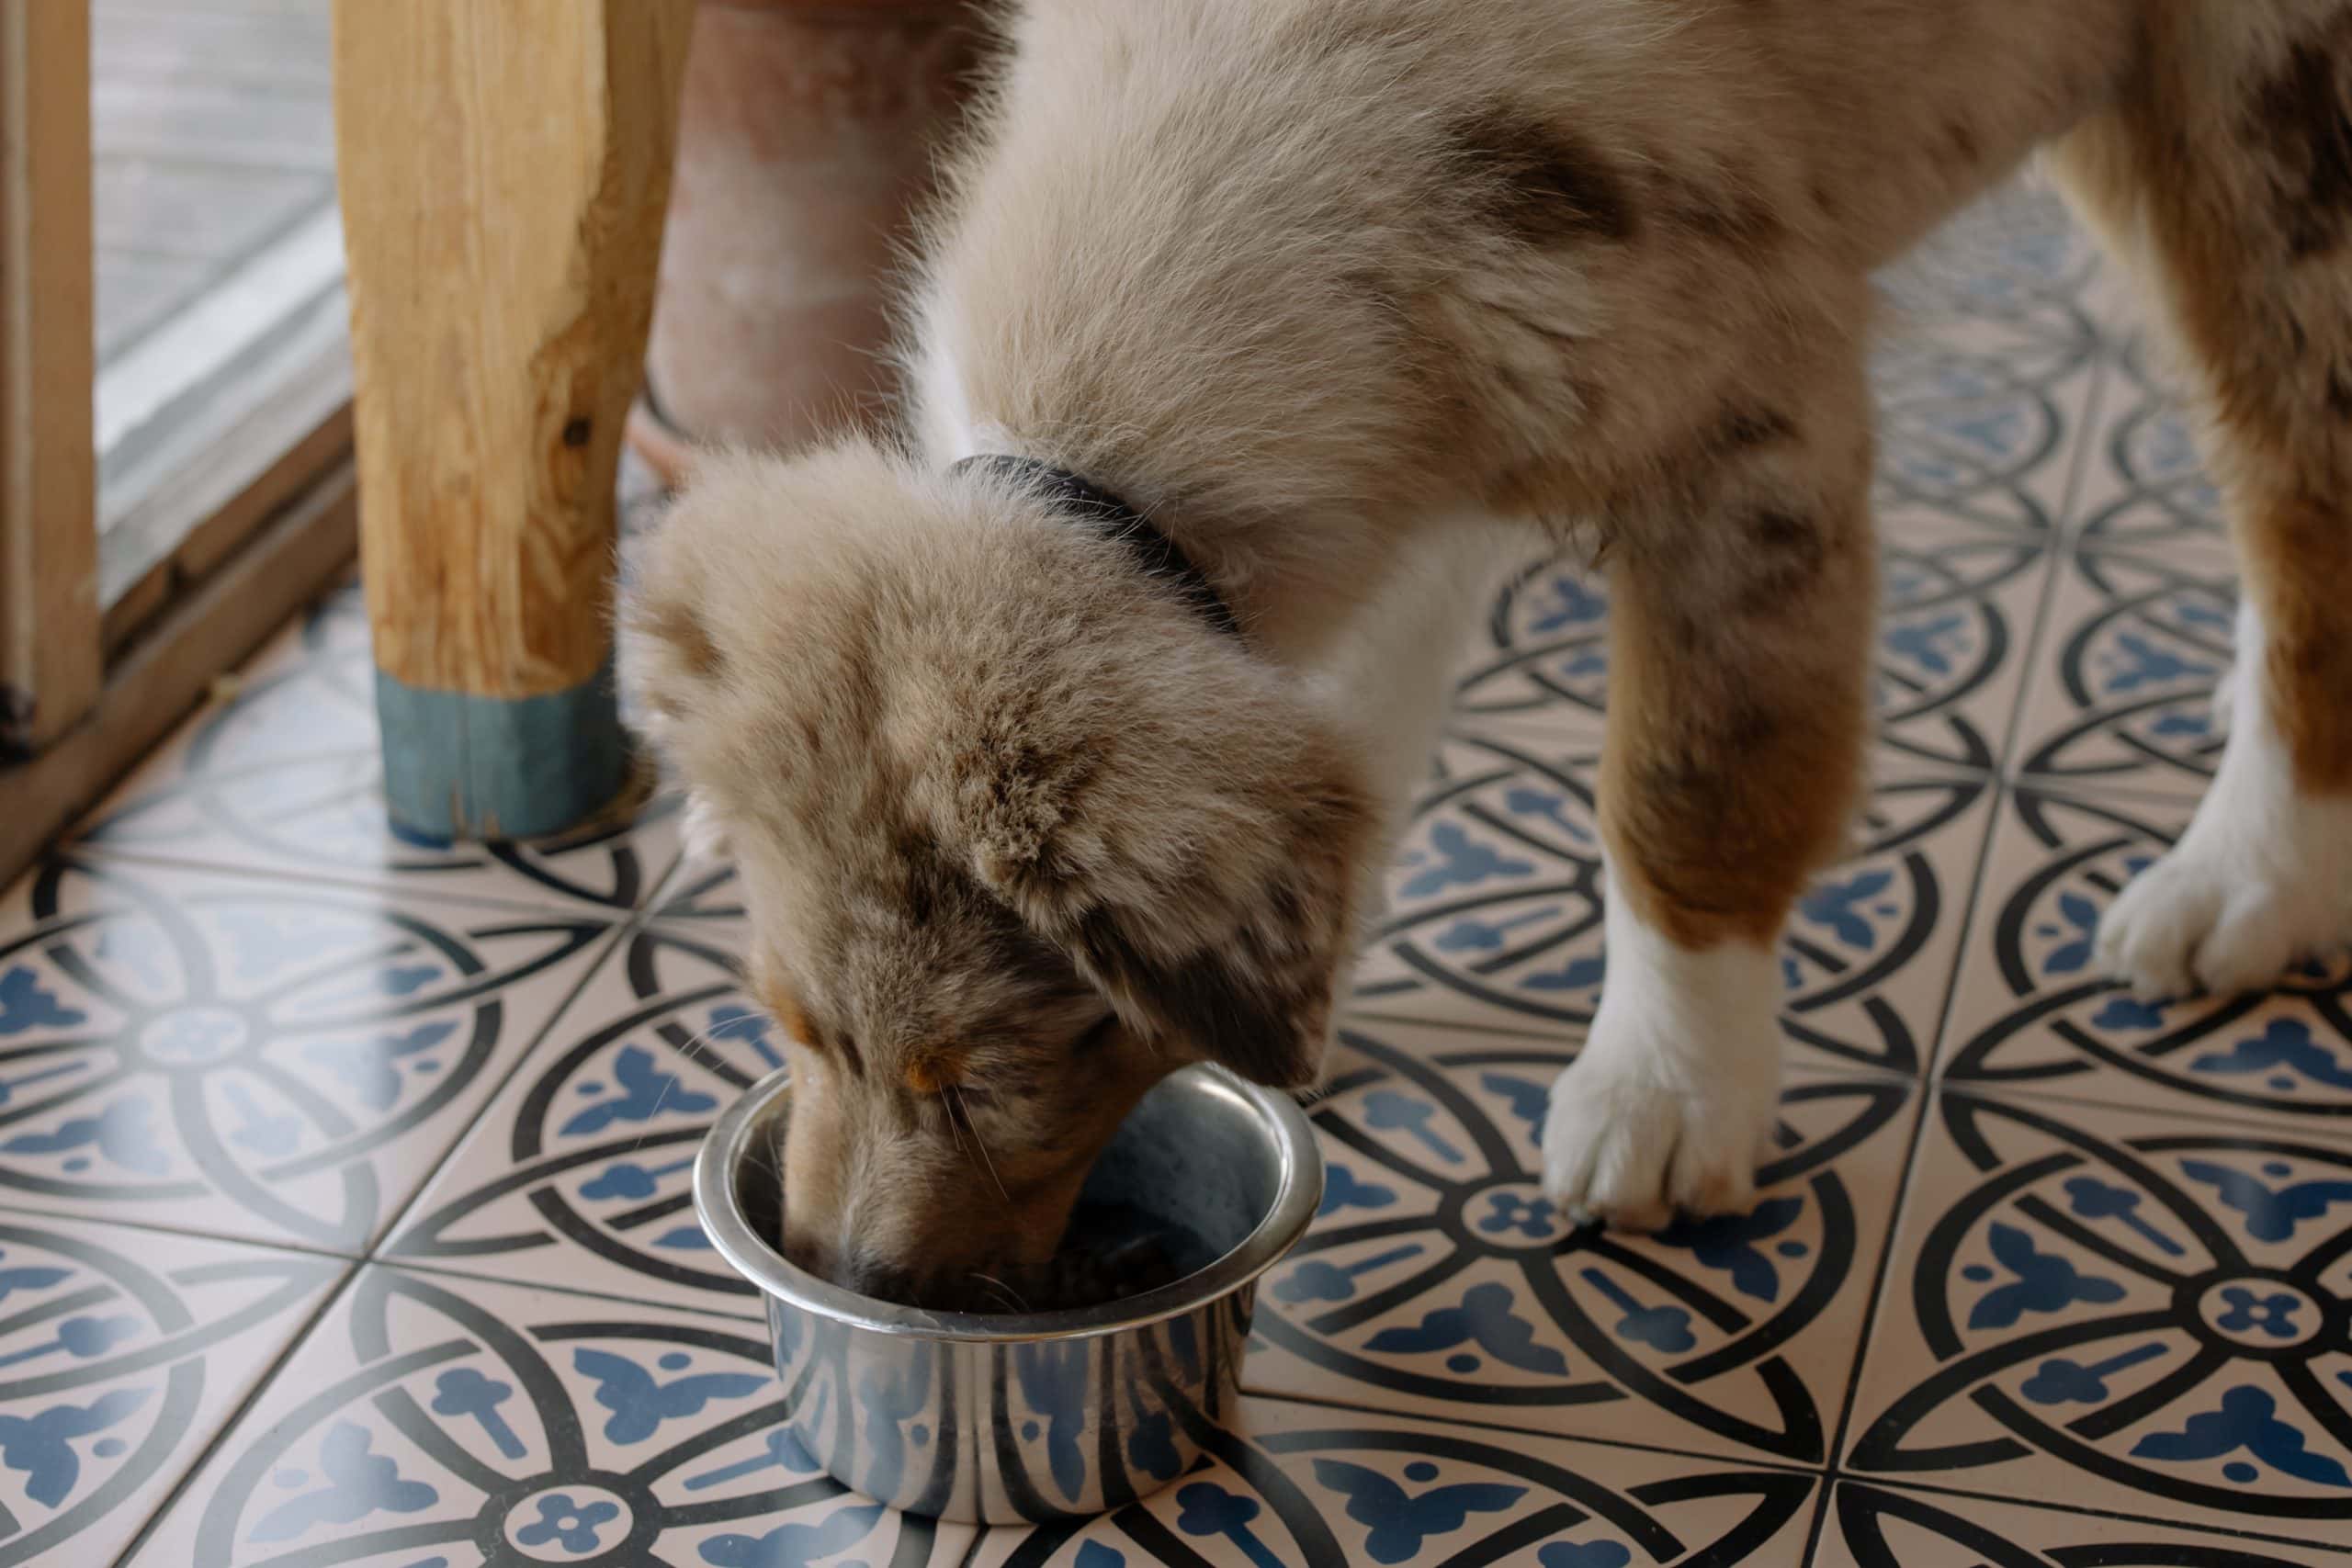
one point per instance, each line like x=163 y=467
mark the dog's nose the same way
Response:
x=806 y=1255
x=871 y=1276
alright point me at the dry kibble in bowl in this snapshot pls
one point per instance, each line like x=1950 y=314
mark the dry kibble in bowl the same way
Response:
x=1111 y=1252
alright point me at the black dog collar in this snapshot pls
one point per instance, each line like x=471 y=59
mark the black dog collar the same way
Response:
x=1153 y=551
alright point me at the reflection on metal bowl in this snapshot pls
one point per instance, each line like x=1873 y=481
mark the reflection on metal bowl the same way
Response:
x=1006 y=1417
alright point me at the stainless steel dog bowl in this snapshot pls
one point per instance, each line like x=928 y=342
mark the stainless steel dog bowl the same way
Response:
x=1004 y=1419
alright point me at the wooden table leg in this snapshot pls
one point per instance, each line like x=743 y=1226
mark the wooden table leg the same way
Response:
x=503 y=171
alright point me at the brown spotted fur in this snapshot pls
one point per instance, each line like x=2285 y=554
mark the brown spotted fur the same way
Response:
x=2224 y=176
x=1317 y=283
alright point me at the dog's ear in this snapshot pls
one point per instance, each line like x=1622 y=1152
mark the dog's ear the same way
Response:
x=666 y=649
x=700 y=617
x=1201 y=872
x=1257 y=998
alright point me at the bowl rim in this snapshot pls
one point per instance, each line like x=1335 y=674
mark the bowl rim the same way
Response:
x=1298 y=1191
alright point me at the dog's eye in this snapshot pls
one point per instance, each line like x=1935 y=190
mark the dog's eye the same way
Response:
x=933 y=1075
x=846 y=1048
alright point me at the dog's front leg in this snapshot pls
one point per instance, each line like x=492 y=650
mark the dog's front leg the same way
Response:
x=1739 y=642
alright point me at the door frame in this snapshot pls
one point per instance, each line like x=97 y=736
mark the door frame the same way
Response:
x=88 y=688
x=52 y=652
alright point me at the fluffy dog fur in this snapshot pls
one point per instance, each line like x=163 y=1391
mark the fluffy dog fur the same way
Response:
x=1362 y=301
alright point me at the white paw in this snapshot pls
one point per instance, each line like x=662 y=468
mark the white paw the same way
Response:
x=1672 y=1104
x=2261 y=879
x=2205 y=918
x=1621 y=1147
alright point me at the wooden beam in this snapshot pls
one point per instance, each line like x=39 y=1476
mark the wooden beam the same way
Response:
x=503 y=173
x=50 y=651
x=170 y=669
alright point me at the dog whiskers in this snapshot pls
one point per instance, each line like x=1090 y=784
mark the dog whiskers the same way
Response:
x=692 y=1052
x=953 y=1130
x=1003 y=1292
x=959 y=1110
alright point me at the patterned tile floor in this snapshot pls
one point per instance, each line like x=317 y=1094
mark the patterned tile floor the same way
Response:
x=343 y=1185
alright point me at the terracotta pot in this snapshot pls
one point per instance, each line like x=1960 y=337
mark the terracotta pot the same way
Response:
x=806 y=135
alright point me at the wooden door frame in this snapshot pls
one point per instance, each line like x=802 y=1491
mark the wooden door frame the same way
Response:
x=52 y=656
x=105 y=683
x=81 y=700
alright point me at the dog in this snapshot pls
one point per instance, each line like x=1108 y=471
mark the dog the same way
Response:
x=1059 y=736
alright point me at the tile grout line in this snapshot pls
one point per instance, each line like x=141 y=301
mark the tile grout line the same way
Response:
x=2006 y=787
x=1804 y=1069
x=1835 y=1476
x=638 y=918
x=1881 y=1276
x=612 y=942
x=235 y=1417
x=2231 y=1118
x=409 y=884
x=2094 y=409
x=188 y=1233
x=617 y=930
x=1914 y=1153
x=1829 y=1474
x=2061 y=547
x=1820 y=1523
x=2097 y=792
x=2093 y=405
x=752 y=1315
x=1356 y=1020
x=1423 y=1418
x=2062 y=551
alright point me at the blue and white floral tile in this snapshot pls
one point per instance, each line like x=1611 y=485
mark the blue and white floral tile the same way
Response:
x=121 y=1353
x=1539 y=665
x=2016 y=258
x=1495 y=907
x=278 y=1060
x=2032 y=1013
x=1885 y=1527
x=1304 y=1484
x=2039 y=339
x=1958 y=604
x=1986 y=360
x=1981 y=426
x=2125 y=1312
x=282 y=773
x=2122 y=697
x=2142 y=613
x=705 y=897
x=1436 y=1281
x=2144 y=488
x=430 y=1418
x=581 y=1170
x=1980 y=418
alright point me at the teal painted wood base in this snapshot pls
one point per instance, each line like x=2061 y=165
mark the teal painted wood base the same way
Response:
x=460 y=766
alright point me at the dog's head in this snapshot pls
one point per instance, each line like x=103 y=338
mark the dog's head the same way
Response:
x=1019 y=832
